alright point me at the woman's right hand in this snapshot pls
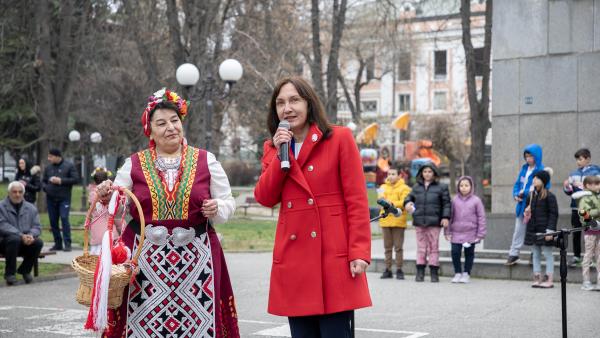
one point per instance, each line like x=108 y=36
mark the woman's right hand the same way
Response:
x=282 y=135
x=103 y=190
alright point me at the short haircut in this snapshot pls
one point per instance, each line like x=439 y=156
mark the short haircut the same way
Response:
x=13 y=184
x=591 y=180
x=583 y=152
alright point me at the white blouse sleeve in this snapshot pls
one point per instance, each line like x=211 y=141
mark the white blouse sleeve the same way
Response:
x=123 y=178
x=220 y=190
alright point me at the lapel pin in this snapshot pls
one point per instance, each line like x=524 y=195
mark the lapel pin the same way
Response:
x=314 y=137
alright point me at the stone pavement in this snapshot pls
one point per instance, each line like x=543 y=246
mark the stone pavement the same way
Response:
x=401 y=309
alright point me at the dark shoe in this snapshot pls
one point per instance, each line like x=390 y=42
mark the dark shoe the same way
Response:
x=67 y=248
x=56 y=248
x=28 y=278
x=399 y=274
x=386 y=274
x=11 y=279
x=512 y=260
x=420 y=273
x=435 y=278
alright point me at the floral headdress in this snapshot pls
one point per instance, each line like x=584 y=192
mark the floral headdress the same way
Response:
x=163 y=95
x=101 y=169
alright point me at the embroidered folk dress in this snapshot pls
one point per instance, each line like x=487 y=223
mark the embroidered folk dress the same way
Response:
x=183 y=288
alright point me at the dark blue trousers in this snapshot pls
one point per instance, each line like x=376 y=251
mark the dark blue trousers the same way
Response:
x=335 y=325
x=469 y=257
x=56 y=209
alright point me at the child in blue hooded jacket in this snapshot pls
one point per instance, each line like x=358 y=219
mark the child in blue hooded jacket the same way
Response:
x=533 y=163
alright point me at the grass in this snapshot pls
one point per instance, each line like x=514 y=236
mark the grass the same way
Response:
x=244 y=234
x=47 y=269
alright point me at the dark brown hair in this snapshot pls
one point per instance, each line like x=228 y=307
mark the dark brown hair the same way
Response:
x=165 y=105
x=585 y=152
x=591 y=180
x=315 y=110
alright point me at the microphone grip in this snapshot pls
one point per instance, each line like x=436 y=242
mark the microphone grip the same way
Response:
x=284 y=156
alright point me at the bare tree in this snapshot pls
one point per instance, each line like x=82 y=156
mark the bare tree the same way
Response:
x=444 y=131
x=59 y=38
x=479 y=108
x=329 y=97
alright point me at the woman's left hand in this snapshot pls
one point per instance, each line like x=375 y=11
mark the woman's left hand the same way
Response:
x=357 y=267
x=210 y=208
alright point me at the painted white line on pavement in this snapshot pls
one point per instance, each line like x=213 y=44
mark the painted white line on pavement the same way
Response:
x=64 y=316
x=6 y=331
x=411 y=333
x=67 y=329
x=257 y=322
x=284 y=331
x=279 y=331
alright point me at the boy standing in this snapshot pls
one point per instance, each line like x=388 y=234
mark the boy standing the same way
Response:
x=533 y=163
x=572 y=185
x=589 y=210
x=392 y=227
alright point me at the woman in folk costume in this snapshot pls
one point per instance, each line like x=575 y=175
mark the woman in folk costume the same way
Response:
x=182 y=288
x=323 y=237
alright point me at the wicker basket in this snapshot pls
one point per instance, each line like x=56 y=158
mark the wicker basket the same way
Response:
x=120 y=273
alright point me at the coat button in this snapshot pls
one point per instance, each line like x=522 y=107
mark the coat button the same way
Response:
x=310 y=168
x=313 y=234
x=293 y=237
x=310 y=201
x=289 y=205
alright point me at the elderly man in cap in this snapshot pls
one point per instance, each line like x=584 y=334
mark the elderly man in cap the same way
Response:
x=19 y=233
x=59 y=177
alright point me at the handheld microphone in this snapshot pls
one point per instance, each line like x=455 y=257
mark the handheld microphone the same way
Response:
x=388 y=207
x=284 y=149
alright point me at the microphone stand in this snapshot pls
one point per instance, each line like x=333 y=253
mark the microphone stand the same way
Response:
x=561 y=240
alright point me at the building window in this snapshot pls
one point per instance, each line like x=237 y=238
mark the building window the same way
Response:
x=404 y=102
x=404 y=73
x=439 y=100
x=440 y=63
x=369 y=106
x=478 y=61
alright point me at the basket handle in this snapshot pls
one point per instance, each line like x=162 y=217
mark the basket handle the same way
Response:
x=88 y=218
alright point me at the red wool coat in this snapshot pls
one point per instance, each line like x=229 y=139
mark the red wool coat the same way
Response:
x=323 y=225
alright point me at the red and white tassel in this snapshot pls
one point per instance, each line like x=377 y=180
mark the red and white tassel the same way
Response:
x=98 y=313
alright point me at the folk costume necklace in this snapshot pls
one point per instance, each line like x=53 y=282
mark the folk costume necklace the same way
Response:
x=169 y=201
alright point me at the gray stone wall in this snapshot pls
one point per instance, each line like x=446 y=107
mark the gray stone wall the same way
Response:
x=546 y=89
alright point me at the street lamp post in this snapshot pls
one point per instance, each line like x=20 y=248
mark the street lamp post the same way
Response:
x=75 y=136
x=187 y=74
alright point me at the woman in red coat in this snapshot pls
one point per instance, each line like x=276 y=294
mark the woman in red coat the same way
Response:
x=323 y=238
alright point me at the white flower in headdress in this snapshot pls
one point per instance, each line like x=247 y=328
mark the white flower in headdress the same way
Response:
x=160 y=93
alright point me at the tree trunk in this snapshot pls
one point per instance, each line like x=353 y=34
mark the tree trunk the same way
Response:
x=316 y=64
x=479 y=109
x=337 y=29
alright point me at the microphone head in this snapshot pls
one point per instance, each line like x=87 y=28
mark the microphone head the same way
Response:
x=284 y=124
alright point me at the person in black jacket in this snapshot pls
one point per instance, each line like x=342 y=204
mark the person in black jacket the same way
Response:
x=542 y=211
x=59 y=177
x=430 y=205
x=30 y=179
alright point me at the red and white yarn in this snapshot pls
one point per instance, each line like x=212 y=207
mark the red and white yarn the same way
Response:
x=98 y=313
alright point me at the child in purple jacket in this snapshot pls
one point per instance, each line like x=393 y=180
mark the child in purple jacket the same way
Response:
x=467 y=227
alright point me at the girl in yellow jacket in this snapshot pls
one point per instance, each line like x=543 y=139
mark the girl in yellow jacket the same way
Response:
x=392 y=227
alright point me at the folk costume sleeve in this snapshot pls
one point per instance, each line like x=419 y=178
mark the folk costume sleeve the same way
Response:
x=123 y=178
x=220 y=190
